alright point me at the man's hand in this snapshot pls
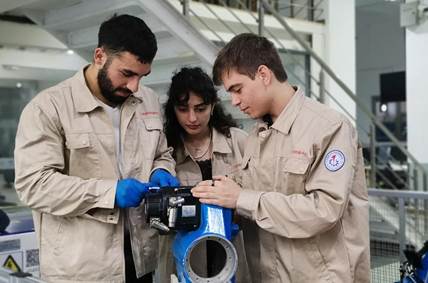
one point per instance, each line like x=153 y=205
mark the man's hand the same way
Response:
x=130 y=192
x=162 y=178
x=220 y=191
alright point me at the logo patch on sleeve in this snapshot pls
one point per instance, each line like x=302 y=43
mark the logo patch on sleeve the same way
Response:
x=334 y=160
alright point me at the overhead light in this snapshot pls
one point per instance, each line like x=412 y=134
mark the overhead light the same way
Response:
x=383 y=108
x=70 y=52
x=18 y=84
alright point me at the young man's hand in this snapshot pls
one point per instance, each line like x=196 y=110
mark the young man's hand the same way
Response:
x=220 y=191
x=130 y=192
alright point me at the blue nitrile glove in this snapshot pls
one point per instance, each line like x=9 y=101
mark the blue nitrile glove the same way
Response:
x=130 y=192
x=162 y=178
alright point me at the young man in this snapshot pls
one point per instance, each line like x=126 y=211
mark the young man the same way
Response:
x=75 y=141
x=302 y=195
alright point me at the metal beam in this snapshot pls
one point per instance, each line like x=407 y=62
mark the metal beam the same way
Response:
x=11 y=5
x=181 y=28
x=35 y=74
x=88 y=36
x=48 y=60
x=14 y=59
x=18 y=35
x=87 y=13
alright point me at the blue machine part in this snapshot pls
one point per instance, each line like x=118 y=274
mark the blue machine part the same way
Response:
x=217 y=228
x=422 y=273
x=415 y=269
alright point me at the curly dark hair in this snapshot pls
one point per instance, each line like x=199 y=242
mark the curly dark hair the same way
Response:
x=193 y=80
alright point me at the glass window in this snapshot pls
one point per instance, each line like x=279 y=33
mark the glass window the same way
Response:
x=13 y=98
x=298 y=69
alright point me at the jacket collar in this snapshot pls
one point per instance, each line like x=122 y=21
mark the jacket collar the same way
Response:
x=288 y=115
x=83 y=98
x=220 y=145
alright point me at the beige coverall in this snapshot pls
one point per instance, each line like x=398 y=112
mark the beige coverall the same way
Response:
x=66 y=171
x=304 y=201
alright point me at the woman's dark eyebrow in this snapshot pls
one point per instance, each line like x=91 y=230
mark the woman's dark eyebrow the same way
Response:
x=200 y=104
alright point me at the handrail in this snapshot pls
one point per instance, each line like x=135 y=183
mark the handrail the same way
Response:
x=344 y=87
x=397 y=193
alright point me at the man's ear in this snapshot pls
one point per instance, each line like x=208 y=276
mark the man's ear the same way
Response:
x=264 y=74
x=100 y=57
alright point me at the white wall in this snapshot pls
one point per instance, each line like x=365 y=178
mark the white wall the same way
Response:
x=417 y=93
x=380 y=49
x=340 y=50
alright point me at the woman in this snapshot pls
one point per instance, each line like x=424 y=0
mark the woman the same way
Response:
x=206 y=143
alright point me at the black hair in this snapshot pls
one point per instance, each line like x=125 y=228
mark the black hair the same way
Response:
x=244 y=54
x=128 y=33
x=193 y=80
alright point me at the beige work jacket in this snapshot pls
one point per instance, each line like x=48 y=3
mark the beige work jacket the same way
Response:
x=66 y=171
x=304 y=199
x=226 y=160
x=226 y=157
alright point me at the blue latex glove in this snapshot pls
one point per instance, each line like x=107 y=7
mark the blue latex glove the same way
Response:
x=162 y=178
x=130 y=192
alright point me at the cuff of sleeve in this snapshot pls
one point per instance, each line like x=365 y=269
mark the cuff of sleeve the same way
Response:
x=106 y=200
x=104 y=209
x=248 y=202
x=110 y=216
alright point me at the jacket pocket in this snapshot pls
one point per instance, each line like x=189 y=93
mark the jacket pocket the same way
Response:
x=150 y=136
x=292 y=176
x=82 y=156
x=152 y=123
x=51 y=234
x=78 y=141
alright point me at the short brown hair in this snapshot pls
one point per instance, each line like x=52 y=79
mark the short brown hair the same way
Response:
x=245 y=53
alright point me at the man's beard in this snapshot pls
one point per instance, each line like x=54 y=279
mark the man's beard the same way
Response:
x=107 y=89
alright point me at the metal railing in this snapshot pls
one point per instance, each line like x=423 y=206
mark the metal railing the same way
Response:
x=381 y=172
x=397 y=218
x=309 y=10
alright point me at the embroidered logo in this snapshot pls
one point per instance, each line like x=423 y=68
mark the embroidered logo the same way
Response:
x=150 y=113
x=299 y=152
x=334 y=160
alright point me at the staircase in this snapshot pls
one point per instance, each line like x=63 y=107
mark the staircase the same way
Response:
x=72 y=26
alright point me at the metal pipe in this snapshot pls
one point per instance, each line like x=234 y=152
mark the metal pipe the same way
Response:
x=402 y=228
x=185 y=4
x=322 y=87
x=261 y=19
x=397 y=193
x=372 y=157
